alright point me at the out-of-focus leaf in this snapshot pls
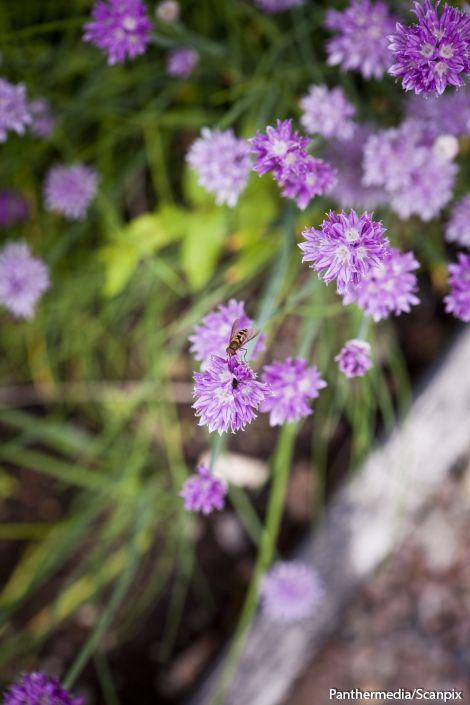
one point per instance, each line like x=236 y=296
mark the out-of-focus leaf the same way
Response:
x=258 y=205
x=195 y=194
x=120 y=260
x=201 y=246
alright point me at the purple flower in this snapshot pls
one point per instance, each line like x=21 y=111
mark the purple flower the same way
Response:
x=23 y=279
x=222 y=163
x=38 y=689
x=361 y=43
x=279 y=150
x=212 y=335
x=354 y=358
x=447 y=114
x=181 y=62
x=327 y=113
x=458 y=228
x=43 y=122
x=70 y=189
x=292 y=384
x=389 y=288
x=227 y=395
x=433 y=53
x=274 y=6
x=203 y=492
x=290 y=591
x=13 y=208
x=168 y=11
x=458 y=300
x=120 y=28
x=311 y=177
x=346 y=247
x=14 y=109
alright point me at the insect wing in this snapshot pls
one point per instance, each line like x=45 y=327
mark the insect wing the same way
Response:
x=250 y=334
x=235 y=328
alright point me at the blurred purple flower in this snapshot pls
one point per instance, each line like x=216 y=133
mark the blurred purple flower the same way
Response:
x=292 y=384
x=38 y=689
x=458 y=228
x=13 y=208
x=227 y=395
x=222 y=163
x=203 y=492
x=389 y=288
x=69 y=190
x=361 y=44
x=274 y=6
x=279 y=150
x=311 y=177
x=168 y=11
x=120 y=28
x=354 y=358
x=23 y=279
x=14 y=109
x=290 y=591
x=447 y=114
x=212 y=335
x=458 y=300
x=43 y=121
x=345 y=247
x=327 y=112
x=434 y=52
x=181 y=62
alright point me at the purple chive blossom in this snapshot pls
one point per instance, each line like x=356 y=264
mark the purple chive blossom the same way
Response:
x=212 y=335
x=43 y=121
x=448 y=114
x=345 y=247
x=203 y=492
x=168 y=11
x=327 y=113
x=13 y=208
x=458 y=300
x=14 y=109
x=292 y=384
x=69 y=190
x=227 y=395
x=290 y=591
x=274 y=6
x=361 y=42
x=458 y=228
x=279 y=150
x=38 y=689
x=23 y=279
x=354 y=358
x=222 y=163
x=312 y=177
x=120 y=28
x=434 y=52
x=181 y=62
x=389 y=288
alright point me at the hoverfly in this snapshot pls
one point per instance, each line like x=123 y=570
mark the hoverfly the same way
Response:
x=239 y=337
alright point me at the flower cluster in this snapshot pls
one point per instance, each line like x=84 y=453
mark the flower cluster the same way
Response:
x=181 y=62
x=290 y=591
x=120 y=28
x=389 y=288
x=274 y=6
x=361 y=41
x=327 y=113
x=447 y=114
x=458 y=228
x=283 y=152
x=203 y=492
x=23 y=279
x=70 y=190
x=457 y=301
x=39 y=689
x=354 y=358
x=222 y=163
x=292 y=383
x=434 y=52
x=15 y=113
x=346 y=247
x=13 y=208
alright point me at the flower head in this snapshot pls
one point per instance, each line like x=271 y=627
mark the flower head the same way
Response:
x=227 y=395
x=23 y=279
x=290 y=591
x=13 y=208
x=458 y=300
x=38 y=689
x=181 y=62
x=43 y=121
x=279 y=150
x=14 y=109
x=434 y=52
x=361 y=41
x=70 y=189
x=212 y=335
x=458 y=228
x=311 y=177
x=345 y=247
x=447 y=114
x=327 y=113
x=203 y=492
x=292 y=384
x=168 y=11
x=274 y=6
x=388 y=288
x=120 y=28
x=354 y=358
x=222 y=163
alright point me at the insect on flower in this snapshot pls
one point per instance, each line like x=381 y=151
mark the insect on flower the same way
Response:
x=239 y=337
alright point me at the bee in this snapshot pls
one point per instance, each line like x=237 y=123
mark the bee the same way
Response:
x=239 y=337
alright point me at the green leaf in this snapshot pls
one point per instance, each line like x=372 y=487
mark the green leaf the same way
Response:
x=120 y=260
x=195 y=194
x=202 y=245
